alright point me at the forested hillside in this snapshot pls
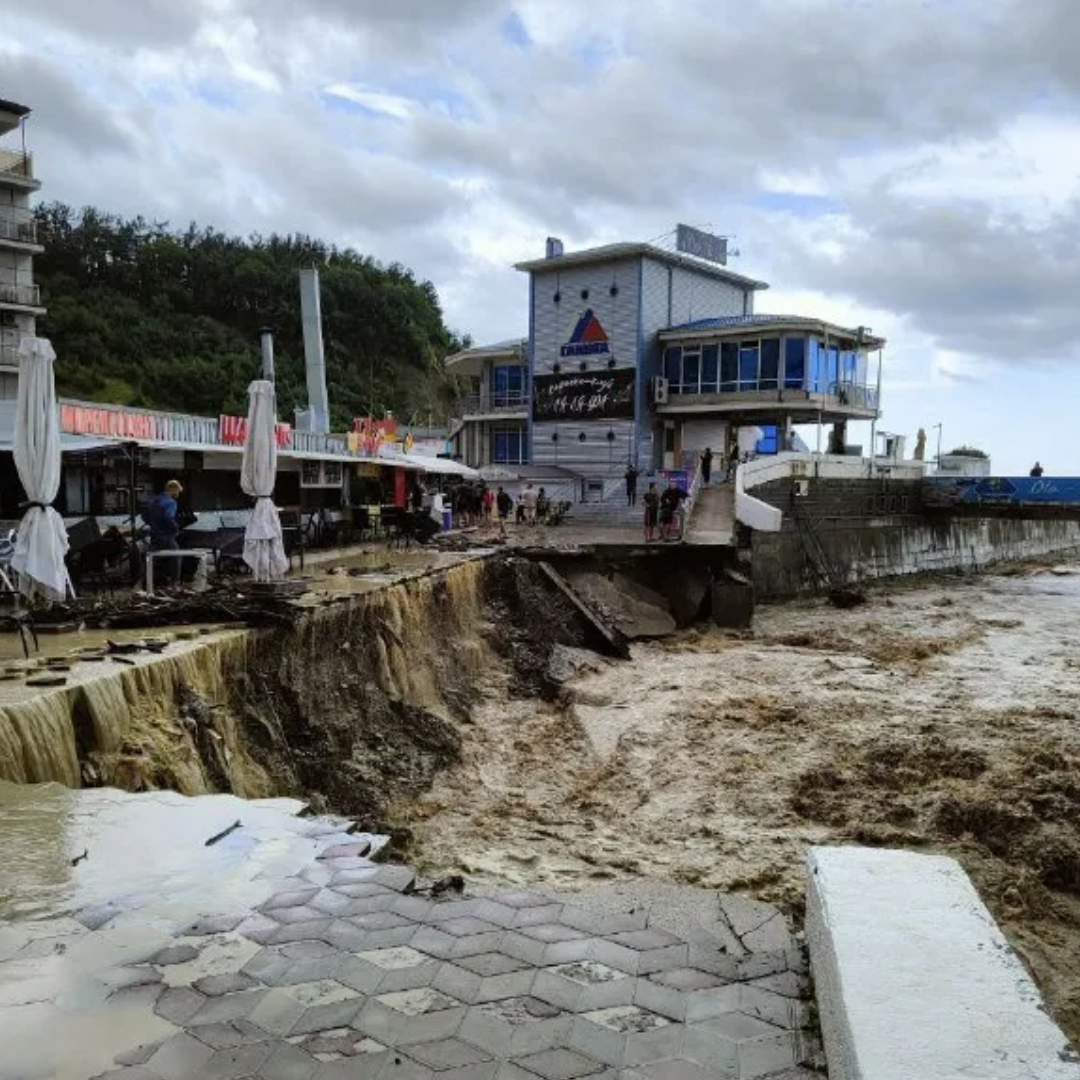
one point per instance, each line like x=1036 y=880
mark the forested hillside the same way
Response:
x=140 y=314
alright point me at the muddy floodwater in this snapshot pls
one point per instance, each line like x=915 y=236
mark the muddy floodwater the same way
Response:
x=938 y=717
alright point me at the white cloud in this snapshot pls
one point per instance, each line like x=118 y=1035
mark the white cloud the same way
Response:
x=392 y=105
x=924 y=183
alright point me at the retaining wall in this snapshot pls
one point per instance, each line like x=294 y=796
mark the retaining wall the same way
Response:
x=878 y=528
x=913 y=978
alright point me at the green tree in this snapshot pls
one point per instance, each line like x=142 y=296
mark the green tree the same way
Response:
x=147 y=315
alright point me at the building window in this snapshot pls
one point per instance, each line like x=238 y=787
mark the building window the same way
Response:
x=729 y=367
x=833 y=374
x=749 y=352
x=507 y=386
x=794 y=363
x=769 y=378
x=710 y=368
x=673 y=367
x=691 y=371
x=814 y=364
x=508 y=446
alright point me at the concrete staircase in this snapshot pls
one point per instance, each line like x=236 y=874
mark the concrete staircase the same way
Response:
x=612 y=512
x=713 y=518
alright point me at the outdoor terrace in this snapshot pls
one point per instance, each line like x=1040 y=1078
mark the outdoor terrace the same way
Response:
x=493 y=403
x=16 y=165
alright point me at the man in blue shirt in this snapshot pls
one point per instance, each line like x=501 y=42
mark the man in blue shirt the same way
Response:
x=160 y=515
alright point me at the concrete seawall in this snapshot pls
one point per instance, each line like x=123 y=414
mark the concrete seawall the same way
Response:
x=873 y=529
x=914 y=979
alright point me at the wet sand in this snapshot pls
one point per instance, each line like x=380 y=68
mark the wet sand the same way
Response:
x=940 y=717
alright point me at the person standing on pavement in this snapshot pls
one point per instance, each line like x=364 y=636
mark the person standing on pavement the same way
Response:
x=631 y=485
x=159 y=515
x=503 y=504
x=530 y=499
x=670 y=506
x=706 y=466
x=652 y=512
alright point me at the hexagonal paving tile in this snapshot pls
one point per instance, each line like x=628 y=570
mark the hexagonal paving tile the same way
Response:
x=466 y=926
x=228 y=1007
x=584 y=986
x=309 y=930
x=552 y=932
x=488 y=964
x=337 y=1043
x=448 y=1054
x=222 y=1036
x=179 y=1004
x=560 y=1065
x=216 y=985
x=298 y=913
x=236 y=1061
x=473 y=989
x=515 y=1026
x=697 y=999
x=288 y=1063
x=743 y=1045
x=386 y=970
x=295 y=962
x=181 y=1056
x=410 y=1016
x=625 y=1035
x=220 y=954
x=292 y=898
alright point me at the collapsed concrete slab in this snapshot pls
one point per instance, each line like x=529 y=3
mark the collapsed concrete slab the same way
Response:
x=914 y=979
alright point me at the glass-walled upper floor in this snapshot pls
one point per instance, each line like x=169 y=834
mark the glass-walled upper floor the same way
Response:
x=500 y=387
x=509 y=385
x=810 y=364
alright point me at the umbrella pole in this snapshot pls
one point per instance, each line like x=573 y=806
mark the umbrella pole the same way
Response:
x=133 y=462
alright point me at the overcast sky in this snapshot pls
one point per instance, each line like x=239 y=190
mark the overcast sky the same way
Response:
x=910 y=165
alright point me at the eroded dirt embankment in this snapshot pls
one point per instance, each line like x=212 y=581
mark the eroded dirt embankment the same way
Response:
x=361 y=706
x=940 y=718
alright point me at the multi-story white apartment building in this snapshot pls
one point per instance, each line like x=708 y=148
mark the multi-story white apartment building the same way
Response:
x=20 y=299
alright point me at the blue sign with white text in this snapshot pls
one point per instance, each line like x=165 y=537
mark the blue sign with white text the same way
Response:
x=1002 y=490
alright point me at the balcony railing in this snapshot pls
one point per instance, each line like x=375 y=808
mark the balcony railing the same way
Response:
x=16 y=163
x=493 y=402
x=17 y=224
x=27 y=295
x=843 y=394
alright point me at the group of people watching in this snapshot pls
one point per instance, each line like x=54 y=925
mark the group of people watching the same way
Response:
x=479 y=505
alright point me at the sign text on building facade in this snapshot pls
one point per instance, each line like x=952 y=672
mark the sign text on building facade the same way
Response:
x=601 y=395
x=703 y=245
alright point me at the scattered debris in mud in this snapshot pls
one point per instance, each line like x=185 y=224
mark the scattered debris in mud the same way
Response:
x=924 y=718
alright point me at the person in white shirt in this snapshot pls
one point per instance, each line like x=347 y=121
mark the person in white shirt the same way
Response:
x=529 y=498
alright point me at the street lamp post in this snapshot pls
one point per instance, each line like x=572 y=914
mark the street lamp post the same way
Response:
x=937 y=460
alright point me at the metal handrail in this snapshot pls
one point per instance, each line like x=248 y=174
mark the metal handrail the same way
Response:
x=474 y=404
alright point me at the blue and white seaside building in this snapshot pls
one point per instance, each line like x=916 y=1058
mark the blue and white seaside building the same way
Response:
x=636 y=354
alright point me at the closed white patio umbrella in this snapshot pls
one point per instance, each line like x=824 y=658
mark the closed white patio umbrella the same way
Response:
x=264 y=549
x=42 y=541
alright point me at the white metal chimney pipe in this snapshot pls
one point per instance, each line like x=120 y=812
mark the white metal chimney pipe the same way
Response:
x=266 y=339
x=314 y=361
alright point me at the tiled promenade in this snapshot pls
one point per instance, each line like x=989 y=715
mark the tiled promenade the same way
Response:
x=346 y=972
